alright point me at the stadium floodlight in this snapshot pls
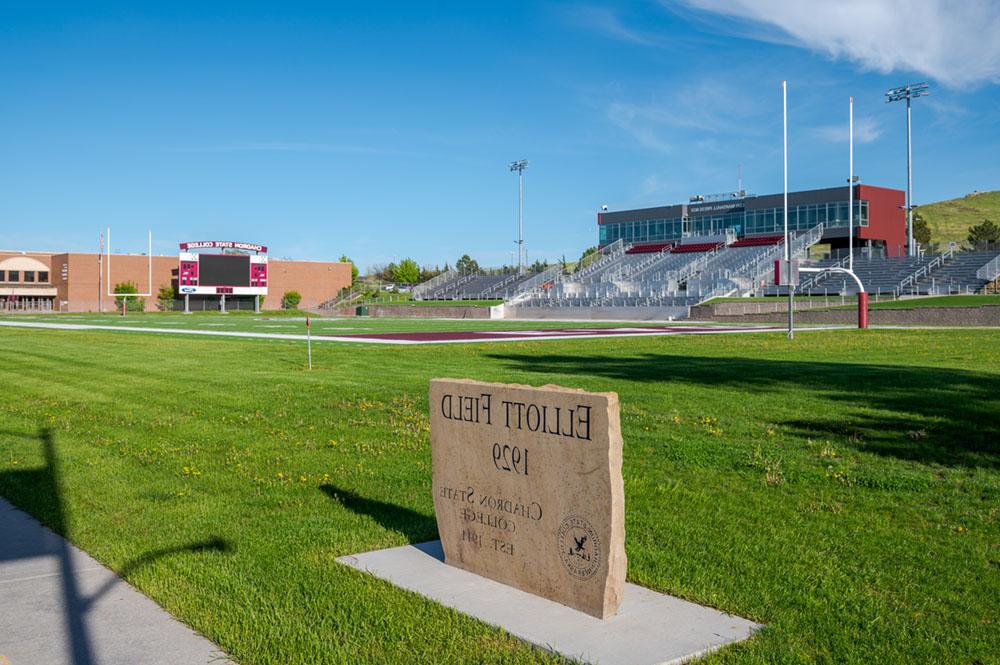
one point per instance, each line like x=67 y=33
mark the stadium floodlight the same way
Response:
x=908 y=92
x=519 y=166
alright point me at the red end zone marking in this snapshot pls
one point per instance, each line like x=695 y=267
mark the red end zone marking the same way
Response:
x=551 y=333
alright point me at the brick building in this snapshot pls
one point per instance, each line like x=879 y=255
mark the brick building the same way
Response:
x=73 y=282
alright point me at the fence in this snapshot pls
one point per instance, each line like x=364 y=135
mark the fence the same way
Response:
x=432 y=283
x=990 y=271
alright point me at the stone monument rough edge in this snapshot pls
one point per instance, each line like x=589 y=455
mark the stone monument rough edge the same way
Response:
x=614 y=589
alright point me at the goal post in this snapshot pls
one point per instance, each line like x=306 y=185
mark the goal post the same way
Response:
x=149 y=257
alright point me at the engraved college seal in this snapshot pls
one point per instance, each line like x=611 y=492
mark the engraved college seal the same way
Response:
x=579 y=547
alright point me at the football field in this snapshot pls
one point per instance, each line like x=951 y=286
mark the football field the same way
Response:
x=842 y=488
x=366 y=331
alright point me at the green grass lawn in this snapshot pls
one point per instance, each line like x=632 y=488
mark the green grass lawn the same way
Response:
x=843 y=488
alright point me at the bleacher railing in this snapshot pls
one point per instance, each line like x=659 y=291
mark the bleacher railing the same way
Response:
x=443 y=290
x=420 y=289
x=803 y=242
x=632 y=271
x=341 y=299
x=549 y=275
x=810 y=281
x=691 y=269
x=502 y=285
x=604 y=257
x=924 y=270
x=990 y=271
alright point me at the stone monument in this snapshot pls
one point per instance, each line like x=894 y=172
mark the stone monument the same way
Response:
x=528 y=488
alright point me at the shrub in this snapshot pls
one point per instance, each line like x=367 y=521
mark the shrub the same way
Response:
x=165 y=298
x=131 y=304
x=291 y=300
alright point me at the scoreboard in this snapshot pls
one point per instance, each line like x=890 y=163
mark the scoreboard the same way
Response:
x=222 y=274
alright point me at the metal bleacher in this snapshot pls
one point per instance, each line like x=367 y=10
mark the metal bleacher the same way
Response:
x=933 y=274
x=475 y=286
x=669 y=276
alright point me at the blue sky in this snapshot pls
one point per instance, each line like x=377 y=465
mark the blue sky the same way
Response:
x=384 y=130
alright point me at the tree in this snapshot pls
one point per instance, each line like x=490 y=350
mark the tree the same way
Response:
x=131 y=304
x=428 y=272
x=354 y=268
x=291 y=300
x=466 y=264
x=538 y=266
x=921 y=230
x=407 y=272
x=984 y=236
x=165 y=298
x=587 y=252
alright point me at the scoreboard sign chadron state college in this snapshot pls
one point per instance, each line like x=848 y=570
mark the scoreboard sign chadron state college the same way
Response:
x=528 y=488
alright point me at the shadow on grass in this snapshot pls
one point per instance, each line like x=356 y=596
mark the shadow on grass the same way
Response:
x=417 y=527
x=39 y=492
x=924 y=414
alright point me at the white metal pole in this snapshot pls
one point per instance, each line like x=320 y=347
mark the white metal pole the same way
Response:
x=788 y=256
x=149 y=258
x=911 y=250
x=520 y=221
x=100 y=278
x=784 y=111
x=850 y=196
x=108 y=261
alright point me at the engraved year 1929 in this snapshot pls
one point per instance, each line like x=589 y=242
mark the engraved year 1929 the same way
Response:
x=510 y=458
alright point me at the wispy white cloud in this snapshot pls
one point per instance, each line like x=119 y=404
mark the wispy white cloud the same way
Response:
x=955 y=43
x=607 y=22
x=866 y=130
x=642 y=123
x=703 y=107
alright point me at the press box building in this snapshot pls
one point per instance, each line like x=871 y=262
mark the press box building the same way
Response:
x=879 y=218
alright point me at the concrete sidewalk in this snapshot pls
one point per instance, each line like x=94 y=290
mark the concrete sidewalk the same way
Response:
x=60 y=606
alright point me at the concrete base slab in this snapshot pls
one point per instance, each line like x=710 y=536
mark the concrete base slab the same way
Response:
x=650 y=628
x=59 y=605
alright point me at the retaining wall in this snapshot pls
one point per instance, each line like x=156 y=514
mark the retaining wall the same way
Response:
x=420 y=312
x=597 y=313
x=985 y=315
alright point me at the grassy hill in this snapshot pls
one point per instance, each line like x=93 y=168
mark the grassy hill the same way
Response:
x=951 y=219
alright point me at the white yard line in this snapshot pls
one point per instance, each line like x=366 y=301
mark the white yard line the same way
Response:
x=522 y=336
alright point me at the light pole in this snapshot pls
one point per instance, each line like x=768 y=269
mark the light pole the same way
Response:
x=519 y=166
x=850 y=194
x=908 y=92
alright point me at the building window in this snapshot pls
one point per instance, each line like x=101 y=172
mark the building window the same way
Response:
x=13 y=276
x=3 y=276
x=43 y=276
x=29 y=275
